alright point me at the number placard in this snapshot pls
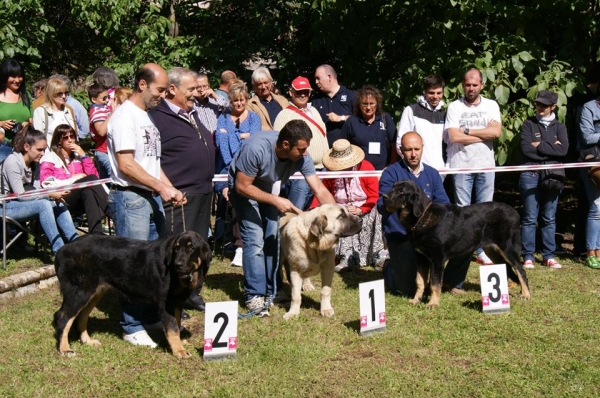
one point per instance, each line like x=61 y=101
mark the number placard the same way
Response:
x=372 y=306
x=220 y=330
x=494 y=288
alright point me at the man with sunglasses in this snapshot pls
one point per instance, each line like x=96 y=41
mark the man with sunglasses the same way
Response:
x=298 y=191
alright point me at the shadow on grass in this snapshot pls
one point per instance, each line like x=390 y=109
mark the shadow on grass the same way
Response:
x=354 y=277
x=228 y=282
x=353 y=325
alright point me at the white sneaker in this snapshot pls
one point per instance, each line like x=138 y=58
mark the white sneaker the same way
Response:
x=140 y=338
x=237 y=259
x=483 y=259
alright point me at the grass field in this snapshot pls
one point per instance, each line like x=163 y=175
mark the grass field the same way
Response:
x=547 y=346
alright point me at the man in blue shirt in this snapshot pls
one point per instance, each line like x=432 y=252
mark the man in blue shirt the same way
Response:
x=401 y=271
x=334 y=102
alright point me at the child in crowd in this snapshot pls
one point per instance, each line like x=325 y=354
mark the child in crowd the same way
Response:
x=99 y=115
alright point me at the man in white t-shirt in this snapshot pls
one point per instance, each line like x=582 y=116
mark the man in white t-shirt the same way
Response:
x=472 y=123
x=139 y=184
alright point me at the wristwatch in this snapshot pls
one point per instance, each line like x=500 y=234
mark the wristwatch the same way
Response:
x=467 y=130
x=343 y=118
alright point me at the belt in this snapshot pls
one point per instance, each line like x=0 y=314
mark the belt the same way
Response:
x=139 y=191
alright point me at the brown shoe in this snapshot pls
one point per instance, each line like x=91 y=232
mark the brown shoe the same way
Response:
x=457 y=291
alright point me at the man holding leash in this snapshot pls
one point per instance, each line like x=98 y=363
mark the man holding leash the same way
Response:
x=400 y=276
x=139 y=184
x=264 y=162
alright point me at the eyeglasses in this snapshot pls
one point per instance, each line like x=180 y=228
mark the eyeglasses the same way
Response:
x=65 y=93
x=68 y=137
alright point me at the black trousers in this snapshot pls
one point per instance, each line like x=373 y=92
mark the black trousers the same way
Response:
x=197 y=215
x=93 y=201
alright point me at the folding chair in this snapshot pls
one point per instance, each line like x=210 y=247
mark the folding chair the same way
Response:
x=28 y=227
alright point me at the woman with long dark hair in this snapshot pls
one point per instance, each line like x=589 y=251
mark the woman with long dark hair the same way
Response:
x=66 y=163
x=15 y=104
x=17 y=177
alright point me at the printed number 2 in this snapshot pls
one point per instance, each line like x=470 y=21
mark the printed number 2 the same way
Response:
x=495 y=286
x=217 y=343
x=372 y=297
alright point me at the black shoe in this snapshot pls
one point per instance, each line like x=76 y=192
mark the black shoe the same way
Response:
x=194 y=302
x=184 y=316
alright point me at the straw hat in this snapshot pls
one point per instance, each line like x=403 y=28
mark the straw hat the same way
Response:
x=342 y=156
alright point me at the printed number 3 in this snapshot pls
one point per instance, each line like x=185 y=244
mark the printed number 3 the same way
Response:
x=496 y=287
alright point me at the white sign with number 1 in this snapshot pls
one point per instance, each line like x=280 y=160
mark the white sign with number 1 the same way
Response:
x=220 y=330
x=494 y=288
x=372 y=306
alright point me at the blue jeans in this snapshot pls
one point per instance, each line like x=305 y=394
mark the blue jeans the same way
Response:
x=51 y=217
x=542 y=203
x=137 y=217
x=299 y=193
x=463 y=187
x=592 y=226
x=103 y=163
x=5 y=150
x=259 y=227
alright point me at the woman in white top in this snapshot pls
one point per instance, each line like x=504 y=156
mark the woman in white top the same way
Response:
x=54 y=110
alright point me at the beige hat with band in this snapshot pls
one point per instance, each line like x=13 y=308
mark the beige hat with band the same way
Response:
x=342 y=156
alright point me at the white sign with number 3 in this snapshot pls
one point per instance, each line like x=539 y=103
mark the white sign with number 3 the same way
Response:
x=220 y=329
x=494 y=288
x=372 y=306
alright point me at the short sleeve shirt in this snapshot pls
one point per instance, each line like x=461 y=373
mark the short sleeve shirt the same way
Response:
x=130 y=129
x=257 y=158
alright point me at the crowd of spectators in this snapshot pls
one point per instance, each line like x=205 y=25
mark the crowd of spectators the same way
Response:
x=163 y=140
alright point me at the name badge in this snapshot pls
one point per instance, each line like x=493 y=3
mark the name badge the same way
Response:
x=374 y=148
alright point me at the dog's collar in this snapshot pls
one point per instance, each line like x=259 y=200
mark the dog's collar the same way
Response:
x=424 y=211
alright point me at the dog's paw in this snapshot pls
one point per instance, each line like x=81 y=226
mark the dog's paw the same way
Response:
x=182 y=354
x=68 y=354
x=432 y=306
x=92 y=342
x=308 y=287
x=327 y=312
x=290 y=315
x=525 y=296
x=414 y=300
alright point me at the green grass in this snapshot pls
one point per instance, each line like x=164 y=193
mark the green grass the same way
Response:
x=547 y=346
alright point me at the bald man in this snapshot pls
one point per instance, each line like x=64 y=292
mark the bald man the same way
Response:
x=139 y=184
x=400 y=274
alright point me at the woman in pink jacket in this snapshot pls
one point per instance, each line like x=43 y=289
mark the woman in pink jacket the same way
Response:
x=66 y=163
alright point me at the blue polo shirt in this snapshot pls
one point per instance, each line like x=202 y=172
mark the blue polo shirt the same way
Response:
x=273 y=108
x=374 y=139
x=342 y=103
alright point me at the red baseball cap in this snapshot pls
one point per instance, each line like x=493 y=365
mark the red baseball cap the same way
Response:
x=301 y=83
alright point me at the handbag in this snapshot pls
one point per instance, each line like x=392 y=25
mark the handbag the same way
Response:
x=552 y=179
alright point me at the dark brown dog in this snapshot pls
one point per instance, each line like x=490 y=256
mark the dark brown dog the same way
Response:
x=160 y=272
x=441 y=231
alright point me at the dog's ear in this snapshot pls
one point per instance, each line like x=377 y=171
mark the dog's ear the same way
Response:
x=205 y=256
x=417 y=206
x=169 y=253
x=318 y=225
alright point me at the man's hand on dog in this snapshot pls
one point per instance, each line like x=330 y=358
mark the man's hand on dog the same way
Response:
x=285 y=206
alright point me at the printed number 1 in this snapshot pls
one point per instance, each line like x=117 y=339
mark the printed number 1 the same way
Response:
x=495 y=286
x=372 y=297
x=217 y=343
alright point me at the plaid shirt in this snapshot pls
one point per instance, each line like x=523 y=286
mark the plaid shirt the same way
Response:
x=210 y=111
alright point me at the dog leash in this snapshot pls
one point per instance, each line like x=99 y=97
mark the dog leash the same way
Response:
x=173 y=218
x=424 y=211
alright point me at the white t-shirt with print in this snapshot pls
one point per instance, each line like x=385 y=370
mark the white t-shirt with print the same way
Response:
x=130 y=129
x=460 y=115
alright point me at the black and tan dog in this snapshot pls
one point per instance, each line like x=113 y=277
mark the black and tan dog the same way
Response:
x=160 y=272
x=442 y=231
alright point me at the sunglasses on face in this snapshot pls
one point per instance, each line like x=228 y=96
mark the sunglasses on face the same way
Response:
x=105 y=98
x=65 y=93
x=68 y=137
